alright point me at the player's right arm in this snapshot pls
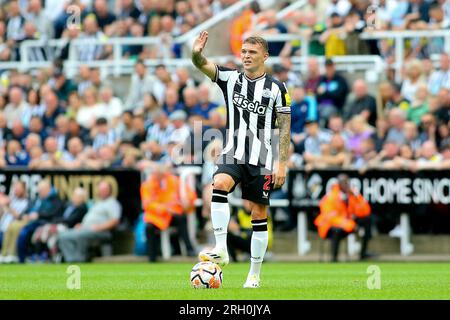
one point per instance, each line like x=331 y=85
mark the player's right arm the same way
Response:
x=203 y=64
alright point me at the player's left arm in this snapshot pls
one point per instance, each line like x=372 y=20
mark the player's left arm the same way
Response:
x=283 y=112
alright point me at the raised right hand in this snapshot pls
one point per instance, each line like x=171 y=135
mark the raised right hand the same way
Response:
x=200 y=42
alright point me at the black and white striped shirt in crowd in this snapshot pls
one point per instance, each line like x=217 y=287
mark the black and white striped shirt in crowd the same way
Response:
x=252 y=106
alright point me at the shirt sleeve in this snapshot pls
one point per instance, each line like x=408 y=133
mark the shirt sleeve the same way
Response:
x=283 y=100
x=223 y=73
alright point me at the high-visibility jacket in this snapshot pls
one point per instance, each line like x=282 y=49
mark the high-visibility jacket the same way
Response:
x=239 y=26
x=334 y=212
x=162 y=197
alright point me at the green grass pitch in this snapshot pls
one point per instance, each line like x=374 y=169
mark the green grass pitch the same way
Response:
x=168 y=281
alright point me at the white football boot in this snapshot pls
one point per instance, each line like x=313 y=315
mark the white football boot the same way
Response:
x=252 y=281
x=216 y=255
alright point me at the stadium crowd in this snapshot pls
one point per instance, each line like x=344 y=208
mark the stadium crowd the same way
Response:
x=50 y=121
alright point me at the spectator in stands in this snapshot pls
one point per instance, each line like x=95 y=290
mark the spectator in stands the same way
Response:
x=438 y=18
x=33 y=107
x=333 y=154
x=84 y=79
x=274 y=27
x=15 y=22
x=102 y=14
x=161 y=130
x=16 y=106
x=331 y=92
x=45 y=237
x=75 y=130
x=112 y=105
x=242 y=24
x=46 y=208
x=52 y=110
x=301 y=110
x=124 y=129
x=36 y=126
x=396 y=118
x=11 y=209
x=181 y=130
x=204 y=106
x=333 y=37
x=283 y=72
x=140 y=132
x=414 y=78
x=353 y=27
x=5 y=46
x=18 y=132
x=141 y=83
x=440 y=78
x=428 y=126
x=386 y=158
x=359 y=132
x=90 y=110
x=368 y=153
x=313 y=76
x=15 y=155
x=183 y=80
x=171 y=101
x=74 y=156
x=98 y=223
x=339 y=209
x=149 y=107
x=429 y=154
x=62 y=86
x=39 y=18
x=318 y=8
x=31 y=141
x=419 y=105
x=127 y=9
x=418 y=9
x=61 y=131
x=60 y=23
x=102 y=135
x=91 y=31
x=442 y=112
x=362 y=103
x=165 y=203
x=411 y=133
x=391 y=97
x=190 y=97
x=315 y=138
x=336 y=125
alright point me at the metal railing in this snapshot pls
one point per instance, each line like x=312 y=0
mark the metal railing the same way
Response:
x=119 y=65
x=399 y=44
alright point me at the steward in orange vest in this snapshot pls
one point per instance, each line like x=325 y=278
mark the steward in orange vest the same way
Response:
x=165 y=204
x=161 y=198
x=339 y=211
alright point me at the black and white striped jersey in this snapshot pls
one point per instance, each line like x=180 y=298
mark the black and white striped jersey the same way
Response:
x=252 y=105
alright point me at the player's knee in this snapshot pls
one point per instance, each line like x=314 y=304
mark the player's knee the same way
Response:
x=259 y=212
x=222 y=184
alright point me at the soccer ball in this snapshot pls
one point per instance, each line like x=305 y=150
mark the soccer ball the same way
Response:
x=206 y=275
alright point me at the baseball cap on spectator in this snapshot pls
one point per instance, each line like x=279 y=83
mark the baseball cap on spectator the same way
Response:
x=101 y=121
x=329 y=62
x=178 y=115
x=311 y=120
x=334 y=14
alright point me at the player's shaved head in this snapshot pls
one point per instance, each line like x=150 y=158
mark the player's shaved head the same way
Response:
x=258 y=40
